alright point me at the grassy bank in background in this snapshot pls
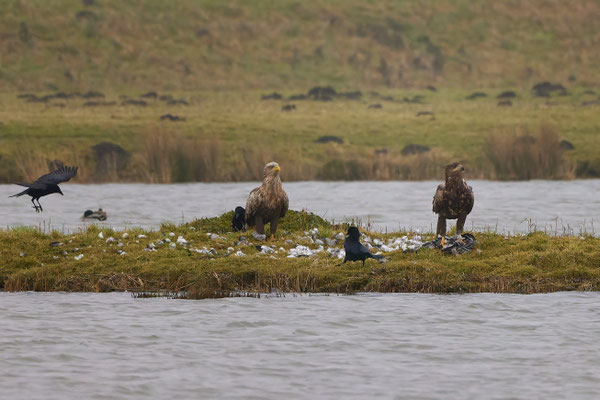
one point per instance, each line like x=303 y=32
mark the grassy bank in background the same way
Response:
x=81 y=67
x=229 y=136
x=211 y=44
x=207 y=266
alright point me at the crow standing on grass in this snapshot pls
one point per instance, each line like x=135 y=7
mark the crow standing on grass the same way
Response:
x=238 y=222
x=46 y=184
x=356 y=251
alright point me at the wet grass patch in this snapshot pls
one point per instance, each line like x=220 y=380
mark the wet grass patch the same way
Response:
x=203 y=259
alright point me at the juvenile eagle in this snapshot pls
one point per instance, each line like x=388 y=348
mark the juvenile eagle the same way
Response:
x=267 y=203
x=453 y=200
x=46 y=184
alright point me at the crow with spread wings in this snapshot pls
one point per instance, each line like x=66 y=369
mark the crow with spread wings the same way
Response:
x=46 y=184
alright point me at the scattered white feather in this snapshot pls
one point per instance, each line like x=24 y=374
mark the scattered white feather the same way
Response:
x=266 y=250
x=303 y=251
x=258 y=236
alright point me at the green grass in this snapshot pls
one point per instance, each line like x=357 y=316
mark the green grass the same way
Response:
x=520 y=264
x=221 y=56
x=210 y=44
x=245 y=133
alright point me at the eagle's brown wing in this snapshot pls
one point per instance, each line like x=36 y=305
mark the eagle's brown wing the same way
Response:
x=470 y=199
x=286 y=204
x=438 y=199
x=255 y=199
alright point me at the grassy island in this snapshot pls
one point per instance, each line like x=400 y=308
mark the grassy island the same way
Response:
x=204 y=259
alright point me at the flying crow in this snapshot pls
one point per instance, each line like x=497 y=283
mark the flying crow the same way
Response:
x=46 y=184
x=356 y=251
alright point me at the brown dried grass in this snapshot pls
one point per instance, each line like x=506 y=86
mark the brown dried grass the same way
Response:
x=516 y=154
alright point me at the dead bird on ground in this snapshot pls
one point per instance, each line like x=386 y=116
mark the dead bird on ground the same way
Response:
x=456 y=245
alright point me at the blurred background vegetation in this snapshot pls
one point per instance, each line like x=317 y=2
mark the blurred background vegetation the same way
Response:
x=404 y=75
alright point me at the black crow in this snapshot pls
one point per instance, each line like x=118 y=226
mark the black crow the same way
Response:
x=46 y=184
x=238 y=223
x=356 y=251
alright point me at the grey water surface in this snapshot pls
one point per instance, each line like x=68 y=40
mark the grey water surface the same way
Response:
x=393 y=346
x=506 y=207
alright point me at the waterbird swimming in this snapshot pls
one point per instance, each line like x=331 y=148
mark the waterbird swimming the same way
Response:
x=100 y=215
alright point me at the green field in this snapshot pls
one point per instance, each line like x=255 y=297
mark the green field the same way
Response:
x=229 y=136
x=221 y=57
x=85 y=262
x=290 y=44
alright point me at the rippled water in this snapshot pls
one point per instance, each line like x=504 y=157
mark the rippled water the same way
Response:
x=555 y=206
x=101 y=346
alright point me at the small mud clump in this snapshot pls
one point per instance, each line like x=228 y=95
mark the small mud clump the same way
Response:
x=411 y=149
x=329 y=139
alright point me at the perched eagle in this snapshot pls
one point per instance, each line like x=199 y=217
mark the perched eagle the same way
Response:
x=453 y=200
x=267 y=203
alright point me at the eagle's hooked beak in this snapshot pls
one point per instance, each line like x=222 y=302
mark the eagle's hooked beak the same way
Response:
x=276 y=168
x=462 y=168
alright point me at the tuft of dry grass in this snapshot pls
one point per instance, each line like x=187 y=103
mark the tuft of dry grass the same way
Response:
x=170 y=157
x=517 y=154
x=30 y=164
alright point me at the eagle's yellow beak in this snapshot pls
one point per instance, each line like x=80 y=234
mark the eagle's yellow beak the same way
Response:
x=276 y=168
